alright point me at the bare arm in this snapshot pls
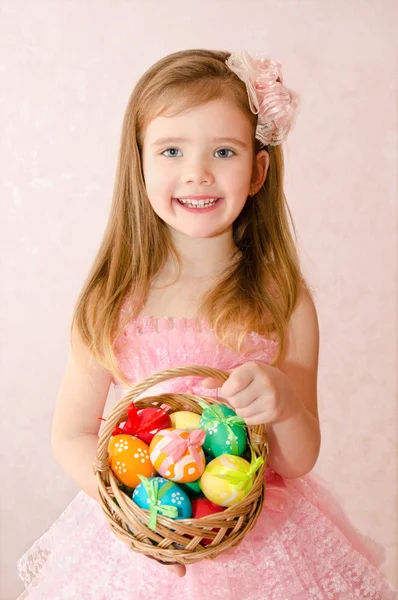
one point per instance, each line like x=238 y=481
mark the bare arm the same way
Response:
x=295 y=442
x=81 y=400
x=74 y=435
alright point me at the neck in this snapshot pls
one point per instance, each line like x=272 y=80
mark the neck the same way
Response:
x=202 y=257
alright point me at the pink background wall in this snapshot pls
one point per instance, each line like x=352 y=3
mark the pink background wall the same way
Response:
x=67 y=70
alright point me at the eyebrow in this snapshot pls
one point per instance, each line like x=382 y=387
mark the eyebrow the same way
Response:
x=166 y=140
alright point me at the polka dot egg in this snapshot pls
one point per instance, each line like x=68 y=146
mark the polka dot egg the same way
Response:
x=128 y=458
x=174 y=496
x=219 y=435
x=189 y=467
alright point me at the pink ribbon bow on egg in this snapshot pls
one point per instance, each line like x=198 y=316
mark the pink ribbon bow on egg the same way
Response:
x=178 y=445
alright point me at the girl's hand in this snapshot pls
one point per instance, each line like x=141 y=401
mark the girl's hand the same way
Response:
x=179 y=570
x=258 y=393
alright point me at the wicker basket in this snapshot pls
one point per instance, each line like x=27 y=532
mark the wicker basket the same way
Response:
x=176 y=541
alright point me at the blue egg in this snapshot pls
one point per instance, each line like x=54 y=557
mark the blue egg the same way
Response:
x=174 y=496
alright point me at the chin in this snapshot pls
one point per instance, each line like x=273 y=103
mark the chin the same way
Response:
x=200 y=235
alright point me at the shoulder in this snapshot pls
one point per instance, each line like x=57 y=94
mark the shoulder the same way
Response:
x=303 y=326
x=299 y=360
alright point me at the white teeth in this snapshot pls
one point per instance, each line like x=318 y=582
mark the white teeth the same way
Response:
x=192 y=203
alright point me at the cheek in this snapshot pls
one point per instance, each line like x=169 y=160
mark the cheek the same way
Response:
x=240 y=179
x=158 y=181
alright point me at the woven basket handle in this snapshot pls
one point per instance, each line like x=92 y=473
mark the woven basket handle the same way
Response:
x=145 y=384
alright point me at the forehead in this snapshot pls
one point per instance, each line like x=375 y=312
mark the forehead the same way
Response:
x=213 y=119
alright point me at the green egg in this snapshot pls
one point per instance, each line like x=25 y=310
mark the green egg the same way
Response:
x=218 y=440
x=192 y=489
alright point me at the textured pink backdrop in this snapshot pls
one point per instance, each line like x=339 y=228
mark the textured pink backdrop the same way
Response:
x=67 y=70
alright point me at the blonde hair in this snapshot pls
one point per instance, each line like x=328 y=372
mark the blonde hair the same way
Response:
x=257 y=292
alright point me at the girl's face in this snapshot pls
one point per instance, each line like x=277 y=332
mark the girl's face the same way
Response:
x=198 y=167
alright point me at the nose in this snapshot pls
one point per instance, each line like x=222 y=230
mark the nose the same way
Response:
x=199 y=172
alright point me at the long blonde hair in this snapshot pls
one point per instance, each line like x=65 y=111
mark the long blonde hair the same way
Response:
x=257 y=292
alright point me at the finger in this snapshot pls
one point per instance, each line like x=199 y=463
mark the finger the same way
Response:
x=211 y=383
x=214 y=382
x=258 y=419
x=245 y=398
x=238 y=380
x=179 y=570
x=254 y=408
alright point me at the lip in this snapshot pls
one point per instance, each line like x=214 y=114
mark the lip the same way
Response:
x=195 y=197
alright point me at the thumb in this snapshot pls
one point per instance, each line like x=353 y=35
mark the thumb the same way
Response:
x=179 y=570
x=211 y=383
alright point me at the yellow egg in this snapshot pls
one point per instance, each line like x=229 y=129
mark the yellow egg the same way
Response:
x=184 y=419
x=221 y=491
x=128 y=458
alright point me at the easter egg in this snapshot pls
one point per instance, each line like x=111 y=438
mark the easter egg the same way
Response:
x=218 y=489
x=145 y=423
x=177 y=454
x=172 y=495
x=202 y=507
x=223 y=437
x=192 y=488
x=184 y=419
x=150 y=421
x=128 y=458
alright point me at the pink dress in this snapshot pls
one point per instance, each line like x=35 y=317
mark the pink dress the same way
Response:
x=301 y=548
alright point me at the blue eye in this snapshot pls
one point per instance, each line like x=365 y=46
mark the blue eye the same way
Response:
x=176 y=150
x=227 y=150
x=168 y=150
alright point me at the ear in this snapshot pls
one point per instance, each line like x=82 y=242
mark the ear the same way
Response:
x=260 y=170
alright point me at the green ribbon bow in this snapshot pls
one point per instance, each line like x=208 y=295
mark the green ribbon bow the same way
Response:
x=240 y=480
x=217 y=417
x=155 y=495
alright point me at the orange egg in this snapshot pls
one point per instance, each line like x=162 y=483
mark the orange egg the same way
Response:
x=128 y=458
x=185 y=469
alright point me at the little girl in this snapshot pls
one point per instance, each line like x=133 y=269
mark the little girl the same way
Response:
x=198 y=267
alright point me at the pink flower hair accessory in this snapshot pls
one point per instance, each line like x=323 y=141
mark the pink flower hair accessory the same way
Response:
x=275 y=104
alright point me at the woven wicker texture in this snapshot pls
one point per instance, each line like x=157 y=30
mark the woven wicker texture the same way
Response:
x=176 y=541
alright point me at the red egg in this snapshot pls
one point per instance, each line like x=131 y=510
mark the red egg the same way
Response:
x=201 y=507
x=144 y=424
x=156 y=418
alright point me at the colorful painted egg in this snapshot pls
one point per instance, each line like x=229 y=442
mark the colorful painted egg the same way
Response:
x=128 y=458
x=145 y=423
x=192 y=488
x=184 y=419
x=169 y=495
x=225 y=431
x=178 y=455
x=202 y=507
x=151 y=421
x=227 y=479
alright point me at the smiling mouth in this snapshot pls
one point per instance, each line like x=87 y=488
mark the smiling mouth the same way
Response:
x=198 y=203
